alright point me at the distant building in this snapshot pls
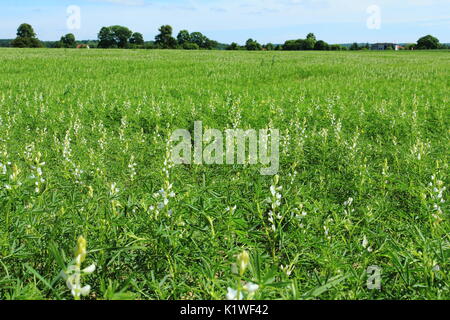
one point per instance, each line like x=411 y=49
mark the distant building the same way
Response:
x=83 y=46
x=386 y=46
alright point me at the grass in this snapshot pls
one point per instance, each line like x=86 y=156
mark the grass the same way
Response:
x=364 y=165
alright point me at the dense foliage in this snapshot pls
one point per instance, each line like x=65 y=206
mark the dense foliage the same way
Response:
x=364 y=169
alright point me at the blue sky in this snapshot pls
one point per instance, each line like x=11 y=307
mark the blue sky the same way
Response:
x=335 y=21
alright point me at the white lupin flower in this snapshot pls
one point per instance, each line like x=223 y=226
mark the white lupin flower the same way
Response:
x=349 y=202
x=85 y=290
x=113 y=189
x=233 y=294
x=165 y=193
x=3 y=168
x=231 y=209
x=89 y=269
x=436 y=192
x=275 y=201
x=243 y=260
x=73 y=273
x=251 y=287
x=365 y=244
x=273 y=190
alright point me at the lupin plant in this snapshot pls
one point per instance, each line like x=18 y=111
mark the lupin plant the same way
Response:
x=244 y=290
x=436 y=198
x=166 y=193
x=74 y=273
x=275 y=217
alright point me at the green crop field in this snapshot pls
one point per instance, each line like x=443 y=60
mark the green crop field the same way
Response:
x=360 y=195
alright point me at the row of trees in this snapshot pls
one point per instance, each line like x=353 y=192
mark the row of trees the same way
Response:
x=425 y=43
x=184 y=40
x=122 y=37
x=119 y=37
x=311 y=43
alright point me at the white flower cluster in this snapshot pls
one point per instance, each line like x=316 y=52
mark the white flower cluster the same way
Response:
x=67 y=151
x=437 y=197
x=123 y=127
x=235 y=113
x=385 y=171
x=74 y=273
x=166 y=193
x=326 y=228
x=113 y=190
x=287 y=269
x=77 y=172
x=231 y=210
x=299 y=214
x=3 y=169
x=348 y=206
x=102 y=141
x=420 y=149
x=4 y=172
x=36 y=166
x=275 y=201
x=365 y=244
x=13 y=180
x=132 y=167
x=67 y=156
x=248 y=291
x=115 y=203
x=245 y=290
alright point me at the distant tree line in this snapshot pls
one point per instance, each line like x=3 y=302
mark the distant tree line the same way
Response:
x=123 y=38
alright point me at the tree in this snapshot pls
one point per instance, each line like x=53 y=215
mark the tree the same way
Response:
x=25 y=31
x=311 y=36
x=321 y=45
x=114 y=37
x=354 y=46
x=336 y=47
x=301 y=44
x=308 y=44
x=190 y=46
x=121 y=35
x=26 y=37
x=428 y=42
x=291 y=45
x=269 y=47
x=310 y=41
x=164 y=39
x=137 y=39
x=67 y=41
x=183 y=37
x=106 y=38
x=233 y=46
x=252 y=45
x=211 y=44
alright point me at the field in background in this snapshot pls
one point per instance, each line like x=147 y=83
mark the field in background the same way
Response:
x=364 y=165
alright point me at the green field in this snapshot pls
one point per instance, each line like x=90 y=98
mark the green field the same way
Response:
x=364 y=161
